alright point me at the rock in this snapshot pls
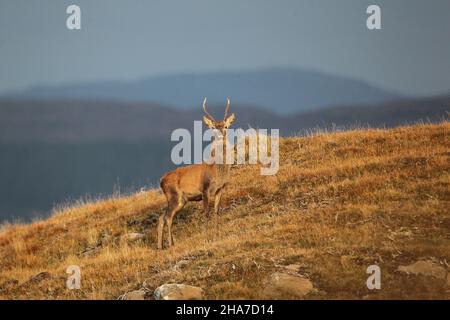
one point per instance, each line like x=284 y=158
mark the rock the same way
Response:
x=133 y=236
x=134 y=295
x=448 y=280
x=286 y=284
x=39 y=277
x=178 y=292
x=426 y=268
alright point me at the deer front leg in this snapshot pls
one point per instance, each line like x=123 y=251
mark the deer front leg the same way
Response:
x=169 y=227
x=217 y=199
x=205 y=197
x=161 y=222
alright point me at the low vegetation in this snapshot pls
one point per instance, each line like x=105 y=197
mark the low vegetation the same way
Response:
x=340 y=202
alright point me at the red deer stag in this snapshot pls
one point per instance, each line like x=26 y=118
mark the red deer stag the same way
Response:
x=196 y=182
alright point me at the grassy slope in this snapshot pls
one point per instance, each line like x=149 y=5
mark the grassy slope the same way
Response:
x=340 y=202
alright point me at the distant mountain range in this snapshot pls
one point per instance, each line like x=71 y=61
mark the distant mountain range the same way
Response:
x=92 y=121
x=281 y=90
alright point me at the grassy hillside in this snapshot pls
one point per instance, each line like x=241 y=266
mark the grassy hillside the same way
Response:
x=340 y=202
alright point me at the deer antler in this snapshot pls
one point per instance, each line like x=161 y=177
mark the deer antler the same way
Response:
x=206 y=111
x=227 y=108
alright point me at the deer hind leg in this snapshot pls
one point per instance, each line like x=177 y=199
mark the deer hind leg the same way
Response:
x=172 y=197
x=161 y=221
x=177 y=203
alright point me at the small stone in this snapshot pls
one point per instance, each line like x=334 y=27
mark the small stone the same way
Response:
x=133 y=236
x=178 y=292
x=286 y=284
x=153 y=219
x=426 y=268
x=293 y=267
x=198 y=254
x=90 y=251
x=9 y=284
x=347 y=260
x=134 y=295
x=181 y=264
x=39 y=277
x=105 y=239
x=150 y=284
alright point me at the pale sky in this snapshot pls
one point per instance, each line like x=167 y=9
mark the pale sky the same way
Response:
x=128 y=40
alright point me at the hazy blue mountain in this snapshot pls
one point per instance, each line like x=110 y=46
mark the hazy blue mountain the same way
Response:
x=59 y=121
x=281 y=90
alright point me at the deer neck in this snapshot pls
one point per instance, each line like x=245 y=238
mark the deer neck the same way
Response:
x=222 y=167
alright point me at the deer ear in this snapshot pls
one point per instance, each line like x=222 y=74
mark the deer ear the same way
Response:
x=208 y=122
x=229 y=120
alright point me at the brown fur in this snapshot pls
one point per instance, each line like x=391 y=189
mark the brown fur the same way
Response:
x=194 y=183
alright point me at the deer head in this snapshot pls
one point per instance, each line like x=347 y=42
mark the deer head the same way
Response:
x=219 y=127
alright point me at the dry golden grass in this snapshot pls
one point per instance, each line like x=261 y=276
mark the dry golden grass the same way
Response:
x=340 y=202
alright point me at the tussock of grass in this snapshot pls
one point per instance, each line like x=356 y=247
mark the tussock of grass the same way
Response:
x=340 y=202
